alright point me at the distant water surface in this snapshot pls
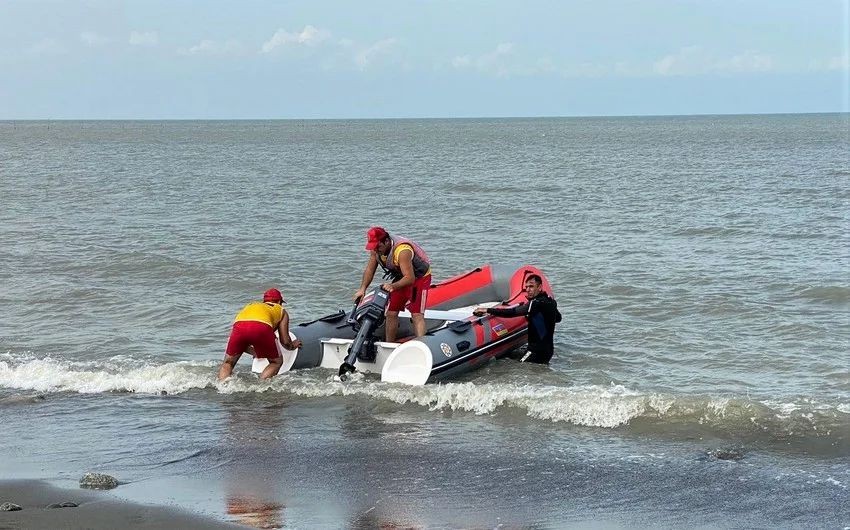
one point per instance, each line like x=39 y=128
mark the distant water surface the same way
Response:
x=702 y=265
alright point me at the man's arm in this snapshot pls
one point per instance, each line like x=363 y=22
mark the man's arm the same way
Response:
x=368 y=275
x=283 y=333
x=514 y=311
x=405 y=262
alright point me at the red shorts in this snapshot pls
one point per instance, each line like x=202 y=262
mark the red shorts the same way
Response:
x=412 y=296
x=257 y=334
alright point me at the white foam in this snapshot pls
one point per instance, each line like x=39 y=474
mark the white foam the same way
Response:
x=114 y=375
x=590 y=405
x=804 y=408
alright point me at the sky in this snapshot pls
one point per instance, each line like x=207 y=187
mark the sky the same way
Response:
x=253 y=59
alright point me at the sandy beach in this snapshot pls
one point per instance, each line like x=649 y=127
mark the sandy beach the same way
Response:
x=95 y=510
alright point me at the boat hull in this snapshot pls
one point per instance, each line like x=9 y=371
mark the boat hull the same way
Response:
x=456 y=341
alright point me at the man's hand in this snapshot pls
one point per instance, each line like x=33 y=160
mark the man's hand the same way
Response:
x=293 y=345
x=479 y=311
x=359 y=294
x=388 y=287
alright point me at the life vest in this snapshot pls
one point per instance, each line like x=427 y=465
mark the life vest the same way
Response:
x=421 y=263
x=266 y=312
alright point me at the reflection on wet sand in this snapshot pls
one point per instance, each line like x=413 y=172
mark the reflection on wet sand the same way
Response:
x=361 y=423
x=253 y=428
x=372 y=519
x=255 y=512
x=274 y=469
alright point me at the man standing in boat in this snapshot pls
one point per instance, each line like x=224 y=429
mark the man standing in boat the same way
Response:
x=253 y=330
x=541 y=311
x=408 y=268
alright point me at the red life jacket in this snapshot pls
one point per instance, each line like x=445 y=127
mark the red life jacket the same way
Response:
x=421 y=263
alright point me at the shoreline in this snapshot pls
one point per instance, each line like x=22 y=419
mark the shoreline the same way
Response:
x=96 y=510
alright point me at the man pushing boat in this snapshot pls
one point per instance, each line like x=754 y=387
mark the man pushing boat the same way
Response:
x=253 y=331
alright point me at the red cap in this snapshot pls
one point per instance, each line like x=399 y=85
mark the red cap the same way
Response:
x=272 y=295
x=375 y=235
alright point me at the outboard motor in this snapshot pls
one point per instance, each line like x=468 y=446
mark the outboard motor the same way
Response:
x=368 y=317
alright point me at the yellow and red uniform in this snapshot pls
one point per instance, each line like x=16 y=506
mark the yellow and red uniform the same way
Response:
x=266 y=312
x=413 y=296
x=255 y=326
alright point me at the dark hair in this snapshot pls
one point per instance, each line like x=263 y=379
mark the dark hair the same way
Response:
x=536 y=277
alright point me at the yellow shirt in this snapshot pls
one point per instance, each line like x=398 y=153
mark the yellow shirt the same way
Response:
x=265 y=312
x=397 y=252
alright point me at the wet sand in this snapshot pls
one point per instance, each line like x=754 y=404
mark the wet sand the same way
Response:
x=97 y=510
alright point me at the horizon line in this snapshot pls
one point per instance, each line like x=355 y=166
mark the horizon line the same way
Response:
x=400 y=118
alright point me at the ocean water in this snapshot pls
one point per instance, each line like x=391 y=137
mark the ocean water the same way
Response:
x=701 y=374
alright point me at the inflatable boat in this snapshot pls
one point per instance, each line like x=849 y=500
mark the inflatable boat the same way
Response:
x=456 y=341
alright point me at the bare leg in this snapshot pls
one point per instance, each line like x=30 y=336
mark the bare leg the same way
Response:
x=227 y=366
x=392 y=325
x=418 y=321
x=273 y=368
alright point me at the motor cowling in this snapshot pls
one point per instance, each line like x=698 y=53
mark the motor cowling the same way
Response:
x=368 y=317
x=374 y=308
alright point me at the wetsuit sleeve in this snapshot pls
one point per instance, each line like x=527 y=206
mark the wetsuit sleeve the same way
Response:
x=519 y=310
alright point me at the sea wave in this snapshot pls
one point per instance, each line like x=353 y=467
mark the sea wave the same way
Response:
x=117 y=374
x=599 y=406
x=709 y=231
x=828 y=294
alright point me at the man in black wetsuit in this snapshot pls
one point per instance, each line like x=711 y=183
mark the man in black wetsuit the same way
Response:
x=542 y=314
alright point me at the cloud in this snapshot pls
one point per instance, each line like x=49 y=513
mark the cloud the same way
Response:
x=309 y=36
x=749 y=61
x=838 y=63
x=47 y=47
x=694 y=60
x=545 y=65
x=336 y=54
x=211 y=47
x=499 y=62
x=144 y=38
x=367 y=56
x=593 y=70
x=687 y=60
x=91 y=38
x=462 y=61
x=507 y=60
